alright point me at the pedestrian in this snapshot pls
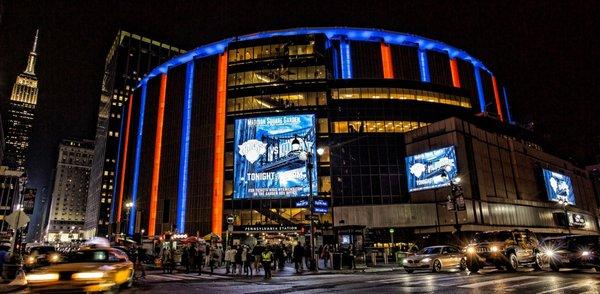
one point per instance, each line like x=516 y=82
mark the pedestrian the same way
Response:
x=325 y=255
x=280 y=256
x=185 y=258
x=266 y=258
x=238 y=260
x=200 y=257
x=256 y=252
x=248 y=262
x=139 y=262
x=298 y=256
x=213 y=259
x=227 y=259
x=351 y=254
x=192 y=256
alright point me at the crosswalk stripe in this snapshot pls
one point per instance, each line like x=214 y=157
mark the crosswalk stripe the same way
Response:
x=483 y=284
x=571 y=286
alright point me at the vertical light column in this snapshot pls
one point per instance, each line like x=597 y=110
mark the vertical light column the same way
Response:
x=508 y=116
x=454 y=72
x=219 y=155
x=480 y=94
x=346 y=59
x=185 y=148
x=424 y=66
x=497 y=99
x=157 y=149
x=136 y=163
x=120 y=173
x=386 y=60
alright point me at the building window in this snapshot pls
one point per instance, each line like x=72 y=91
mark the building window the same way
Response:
x=375 y=126
x=400 y=94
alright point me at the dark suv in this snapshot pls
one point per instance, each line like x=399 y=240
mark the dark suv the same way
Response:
x=572 y=252
x=509 y=249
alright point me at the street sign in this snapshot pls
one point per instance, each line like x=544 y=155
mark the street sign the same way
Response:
x=311 y=217
x=17 y=219
x=460 y=203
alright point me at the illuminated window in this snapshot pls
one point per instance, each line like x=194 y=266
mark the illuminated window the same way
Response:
x=401 y=94
x=375 y=126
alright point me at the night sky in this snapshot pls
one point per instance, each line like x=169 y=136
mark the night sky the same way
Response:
x=545 y=52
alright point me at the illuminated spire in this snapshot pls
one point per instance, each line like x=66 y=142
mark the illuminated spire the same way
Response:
x=32 y=56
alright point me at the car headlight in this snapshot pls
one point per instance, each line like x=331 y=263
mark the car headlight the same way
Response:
x=549 y=253
x=405 y=261
x=47 y=277
x=87 y=275
x=426 y=260
x=494 y=249
x=471 y=250
x=30 y=260
x=54 y=257
x=585 y=253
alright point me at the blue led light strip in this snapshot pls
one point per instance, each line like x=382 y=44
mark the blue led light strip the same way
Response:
x=335 y=61
x=116 y=180
x=424 y=66
x=350 y=34
x=508 y=116
x=346 y=58
x=480 y=94
x=185 y=148
x=138 y=154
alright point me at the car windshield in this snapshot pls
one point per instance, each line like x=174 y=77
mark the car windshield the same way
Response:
x=431 y=250
x=582 y=242
x=493 y=236
x=90 y=256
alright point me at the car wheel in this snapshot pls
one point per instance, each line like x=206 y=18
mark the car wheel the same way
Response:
x=472 y=265
x=537 y=264
x=462 y=265
x=437 y=266
x=410 y=271
x=513 y=263
x=554 y=267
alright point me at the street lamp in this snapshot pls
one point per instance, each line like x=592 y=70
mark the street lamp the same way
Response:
x=455 y=193
x=565 y=204
x=128 y=207
x=307 y=156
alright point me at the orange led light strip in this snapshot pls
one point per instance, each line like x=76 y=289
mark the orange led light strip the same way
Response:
x=219 y=155
x=157 y=150
x=124 y=166
x=386 y=60
x=454 y=71
x=497 y=98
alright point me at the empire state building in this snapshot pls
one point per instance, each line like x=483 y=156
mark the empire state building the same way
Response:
x=21 y=110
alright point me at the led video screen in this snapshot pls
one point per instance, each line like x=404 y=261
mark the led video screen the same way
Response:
x=426 y=170
x=270 y=155
x=559 y=187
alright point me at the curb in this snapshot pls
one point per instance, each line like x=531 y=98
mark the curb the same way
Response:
x=12 y=288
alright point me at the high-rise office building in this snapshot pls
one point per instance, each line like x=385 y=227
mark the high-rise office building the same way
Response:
x=21 y=113
x=67 y=211
x=130 y=57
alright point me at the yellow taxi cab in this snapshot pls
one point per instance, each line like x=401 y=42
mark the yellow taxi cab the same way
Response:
x=86 y=270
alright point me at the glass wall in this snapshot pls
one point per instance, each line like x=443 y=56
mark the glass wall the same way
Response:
x=275 y=101
x=269 y=51
x=401 y=94
x=375 y=126
x=275 y=75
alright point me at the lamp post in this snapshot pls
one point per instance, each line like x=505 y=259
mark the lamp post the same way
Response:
x=565 y=204
x=307 y=156
x=128 y=207
x=455 y=193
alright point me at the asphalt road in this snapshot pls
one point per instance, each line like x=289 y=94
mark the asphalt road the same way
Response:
x=487 y=281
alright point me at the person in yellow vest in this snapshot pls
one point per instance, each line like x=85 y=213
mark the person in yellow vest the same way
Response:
x=266 y=259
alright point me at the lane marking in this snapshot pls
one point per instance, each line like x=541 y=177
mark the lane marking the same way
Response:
x=483 y=284
x=575 y=285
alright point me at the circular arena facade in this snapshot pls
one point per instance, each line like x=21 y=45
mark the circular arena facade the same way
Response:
x=225 y=130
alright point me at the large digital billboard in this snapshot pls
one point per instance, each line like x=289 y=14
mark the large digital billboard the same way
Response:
x=425 y=171
x=559 y=187
x=266 y=162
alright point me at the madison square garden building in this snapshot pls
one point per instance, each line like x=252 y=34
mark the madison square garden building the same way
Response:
x=379 y=122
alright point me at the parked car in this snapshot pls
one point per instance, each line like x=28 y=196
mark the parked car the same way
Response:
x=572 y=252
x=87 y=270
x=435 y=258
x=510 y=249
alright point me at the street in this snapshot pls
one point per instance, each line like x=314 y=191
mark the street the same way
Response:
x=523 y=281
